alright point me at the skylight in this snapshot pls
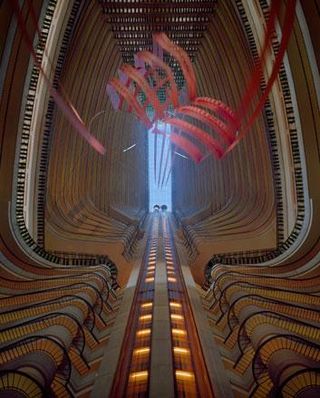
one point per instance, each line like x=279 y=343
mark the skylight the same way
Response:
x=159 y=169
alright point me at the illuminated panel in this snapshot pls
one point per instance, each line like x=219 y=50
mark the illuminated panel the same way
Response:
x=174 y=304
x=147 y=305
x=143 y=332
x=133 y=373
x=190 y=373
x=178 y=332
x=181 y=351
x=147 y=317
x=141 y=351
x=176 y=317
x=183 y=375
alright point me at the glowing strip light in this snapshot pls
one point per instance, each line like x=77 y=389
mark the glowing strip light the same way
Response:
x=146 y=305
x=176 y=317
x=147 y=317
x=174 y=304
x=178 y=332
x=138 y=376
x=143 y=332
x=130 y=147
x=180 y=350
x=141 y=351
x=184 y=375
x=180 y=154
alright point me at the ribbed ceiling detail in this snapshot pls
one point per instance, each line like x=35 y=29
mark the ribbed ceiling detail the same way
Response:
x=134 y=22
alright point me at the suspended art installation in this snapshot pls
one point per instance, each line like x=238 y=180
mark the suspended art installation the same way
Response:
x=139 y=88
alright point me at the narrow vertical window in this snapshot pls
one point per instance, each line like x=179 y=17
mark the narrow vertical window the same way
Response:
x=159 y=168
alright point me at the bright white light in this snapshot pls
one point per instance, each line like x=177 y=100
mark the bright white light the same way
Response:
x=180 y=154
x=159 y=184
x=130 y=147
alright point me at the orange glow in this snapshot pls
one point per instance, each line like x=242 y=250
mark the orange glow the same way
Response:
x=176 y=317
x=170 y=279
x=184 y=375
x=175 y=305
x=143 y=332
x=180 y=350
x=149 y=279
x=145 y=317
x=138 y=376
x=150 y=272
x=147 y=305
x=141 y=351
x=178 y=332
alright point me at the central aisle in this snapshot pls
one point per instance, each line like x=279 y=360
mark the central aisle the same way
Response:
x=161 y=354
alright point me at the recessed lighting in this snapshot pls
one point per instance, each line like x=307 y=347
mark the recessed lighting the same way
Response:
x=176 y=317
x=138 y=376
x=146 y=305
x=184 y=375
x=147 y=317
x=141 y=351
x=180 y=350
x=143 y=332
x=175 y=305
x=178 y=332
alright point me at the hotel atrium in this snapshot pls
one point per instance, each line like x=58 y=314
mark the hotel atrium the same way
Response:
x=127 y=269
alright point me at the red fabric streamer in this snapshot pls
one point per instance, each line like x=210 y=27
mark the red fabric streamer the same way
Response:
x=287 y=29
x=182 y=57
x=68 y=110
x=151 y=96
x=157 y=63
x=213 y=145
x=131 y=99
x=205 y=117
x=184 y=144
x=254 y=83
x=230 y=125
x=187 y=146
x=220 y=108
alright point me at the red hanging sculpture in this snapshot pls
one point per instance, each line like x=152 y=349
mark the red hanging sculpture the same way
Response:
x=138 y=87
x=229 y=126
